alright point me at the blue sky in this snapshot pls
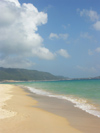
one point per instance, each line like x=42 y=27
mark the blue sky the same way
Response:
x=57 y=36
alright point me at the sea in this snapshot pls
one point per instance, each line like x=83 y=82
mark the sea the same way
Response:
x=84 y=94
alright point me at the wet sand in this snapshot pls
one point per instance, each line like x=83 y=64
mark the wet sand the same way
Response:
x=23 y=114
x=76 y=117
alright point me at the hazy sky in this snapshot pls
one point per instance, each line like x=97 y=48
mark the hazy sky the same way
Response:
x=58 y=36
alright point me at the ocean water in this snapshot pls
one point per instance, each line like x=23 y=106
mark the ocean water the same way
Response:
x=85 y=94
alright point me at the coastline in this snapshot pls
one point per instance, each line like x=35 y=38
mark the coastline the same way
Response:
x=79 y=119
x=29 y=117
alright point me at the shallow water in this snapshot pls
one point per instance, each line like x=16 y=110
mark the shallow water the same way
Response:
x=85 y=94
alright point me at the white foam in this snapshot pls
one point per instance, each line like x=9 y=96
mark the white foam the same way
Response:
x=79 y=103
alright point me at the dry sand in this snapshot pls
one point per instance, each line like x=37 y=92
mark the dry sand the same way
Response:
x=4 y=96
x=19 y=114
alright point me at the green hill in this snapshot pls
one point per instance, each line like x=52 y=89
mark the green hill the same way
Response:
x=24 y=74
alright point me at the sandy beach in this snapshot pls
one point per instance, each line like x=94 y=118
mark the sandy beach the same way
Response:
x=24 y=112
x=20 y=113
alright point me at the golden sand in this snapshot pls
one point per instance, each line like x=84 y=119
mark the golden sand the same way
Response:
x=21 y=114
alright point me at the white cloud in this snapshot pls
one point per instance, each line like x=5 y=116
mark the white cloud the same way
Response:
x=92 y=15
x=96 y=26
x=90 y=52
x=66 y=26
x=53 y=35
x=63 y=53
x=63 y=36
x=16 y=62
x=18 y=31
x=47 y=8
x=86 y=69
x=14 y=2
x=98 y=50
x=43 y=53
x=58 y=36
x=86 y=35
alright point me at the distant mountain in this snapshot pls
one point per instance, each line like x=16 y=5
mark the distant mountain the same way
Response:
x=26 y=75
x=96 y=77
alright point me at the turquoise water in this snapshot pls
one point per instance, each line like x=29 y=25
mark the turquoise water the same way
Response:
x=85 y=94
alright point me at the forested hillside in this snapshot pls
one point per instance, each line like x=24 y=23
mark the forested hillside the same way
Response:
x=24 y=74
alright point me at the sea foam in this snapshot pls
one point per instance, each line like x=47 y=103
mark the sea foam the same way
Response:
x=78 y=102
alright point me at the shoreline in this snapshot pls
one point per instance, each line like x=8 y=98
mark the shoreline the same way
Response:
x=77 y=118
x=29 y=116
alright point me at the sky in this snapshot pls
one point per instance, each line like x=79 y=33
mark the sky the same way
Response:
x=57 y=36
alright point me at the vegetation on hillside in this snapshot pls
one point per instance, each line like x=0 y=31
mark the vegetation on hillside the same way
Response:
x=24 y=74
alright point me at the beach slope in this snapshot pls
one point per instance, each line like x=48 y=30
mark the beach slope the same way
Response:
x=19 y=113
